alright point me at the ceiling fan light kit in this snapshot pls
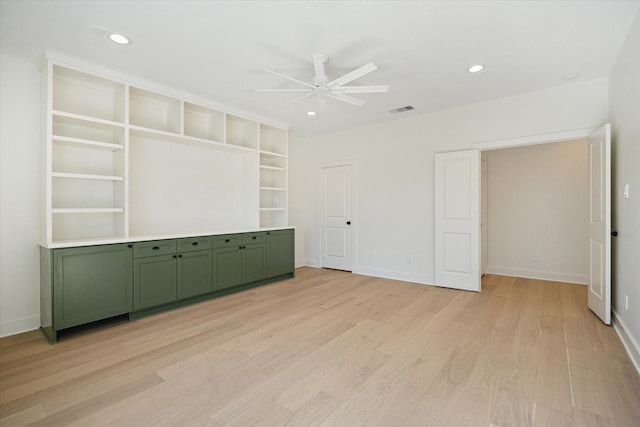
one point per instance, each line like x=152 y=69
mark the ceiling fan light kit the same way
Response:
x=335 y=89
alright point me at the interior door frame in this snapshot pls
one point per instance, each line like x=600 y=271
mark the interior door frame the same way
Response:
x=539 y=139
x=354 y=206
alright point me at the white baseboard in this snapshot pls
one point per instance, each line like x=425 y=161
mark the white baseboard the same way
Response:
x=306 y=263
x=423 y=279
x=18 y=326
x=628 y=341
x=580 y=279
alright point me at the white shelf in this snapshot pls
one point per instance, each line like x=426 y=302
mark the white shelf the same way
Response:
x=86 y=118
x=86 y=142
x=86 y=176
x=139 y=131
x=271 y=153
x=272 y=168
x=86 y=210
x=121 y=158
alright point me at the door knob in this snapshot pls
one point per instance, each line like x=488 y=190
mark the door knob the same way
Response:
x=348 y=222
x=614 y=233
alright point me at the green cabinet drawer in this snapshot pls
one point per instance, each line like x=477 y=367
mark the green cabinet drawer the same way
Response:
x=154 y=248
x=258 y=237
x=227 y=240
x=194 y=244
x=194 y=273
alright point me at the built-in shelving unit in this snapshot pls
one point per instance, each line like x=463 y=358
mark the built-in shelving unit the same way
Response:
x=273 y=176
x=104 y=136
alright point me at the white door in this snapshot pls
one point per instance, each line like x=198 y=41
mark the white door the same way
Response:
x=457 y=220
x=600 y=223
x=335 y=217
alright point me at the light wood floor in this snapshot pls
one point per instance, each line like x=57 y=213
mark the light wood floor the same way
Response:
x=333 y=349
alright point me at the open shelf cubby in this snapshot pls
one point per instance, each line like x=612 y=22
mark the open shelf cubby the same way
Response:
x=273 y=140
x=154 y=111
x=242 y=132
x=87 y=95
x=202 y=122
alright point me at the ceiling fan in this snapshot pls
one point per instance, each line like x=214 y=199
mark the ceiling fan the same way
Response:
x=335 y=89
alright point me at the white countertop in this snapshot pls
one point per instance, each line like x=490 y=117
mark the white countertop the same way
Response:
x=130 y=239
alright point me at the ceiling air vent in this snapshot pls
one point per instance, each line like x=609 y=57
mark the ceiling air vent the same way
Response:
x=401 y=109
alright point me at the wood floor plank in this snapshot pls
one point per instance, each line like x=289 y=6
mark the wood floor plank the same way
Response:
x=330 y=348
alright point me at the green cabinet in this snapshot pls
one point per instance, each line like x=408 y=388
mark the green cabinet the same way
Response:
x=194 y=274
x=84 y=284
x=254 y=256
x=280 y=252
x=239 y=259
x=154 y=281
x=227 y=267
x=170 y=270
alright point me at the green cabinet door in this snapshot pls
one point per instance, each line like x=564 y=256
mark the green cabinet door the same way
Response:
x=91 y=283
x=227 y=267
x=254 y=262
x=194 y=273
x=154 y=281
x=280 y=252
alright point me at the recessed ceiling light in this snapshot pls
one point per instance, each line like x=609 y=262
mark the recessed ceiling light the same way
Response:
x=119 y=38
x=311 y=113
x=475 y=68
x=571 y=76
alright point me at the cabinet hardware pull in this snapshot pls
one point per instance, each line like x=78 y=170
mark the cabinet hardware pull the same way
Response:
x=254 y=238
x=129 y=246
x=180 y=256
x=175 y=256
x=227 y=240
x=155 y=248
x=194 y=244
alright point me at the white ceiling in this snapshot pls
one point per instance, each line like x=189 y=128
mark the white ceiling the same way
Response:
x=217 y=49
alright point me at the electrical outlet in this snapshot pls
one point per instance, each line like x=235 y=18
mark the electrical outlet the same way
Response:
x=626 y=303
x=537 y=257
x=409 y=259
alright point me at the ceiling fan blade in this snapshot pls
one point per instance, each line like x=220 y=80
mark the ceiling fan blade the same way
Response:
x=360 y=89
x=355 y=74
x=298 y=99
x=318 y=65
x=346 y=98
x=289 y=78
x=281 y=90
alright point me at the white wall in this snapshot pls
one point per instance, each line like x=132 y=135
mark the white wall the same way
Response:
x=538 y=204
x=176 y=188
x=395 y=178
x=625 y=118
x=394 y=216
x=19 y=196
